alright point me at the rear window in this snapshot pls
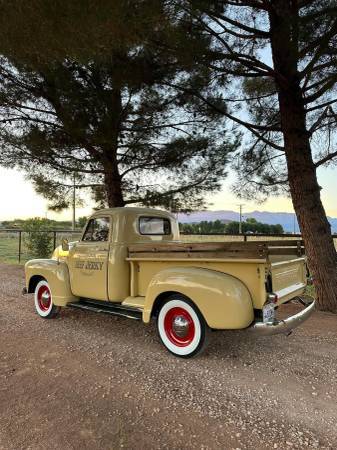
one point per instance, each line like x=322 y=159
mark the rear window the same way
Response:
x=154 y=226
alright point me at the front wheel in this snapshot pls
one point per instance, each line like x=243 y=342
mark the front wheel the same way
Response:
x=181 y=327
x=44 y=301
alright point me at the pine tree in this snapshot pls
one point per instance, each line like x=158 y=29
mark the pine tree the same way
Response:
x=107 y=120
x=274 y=74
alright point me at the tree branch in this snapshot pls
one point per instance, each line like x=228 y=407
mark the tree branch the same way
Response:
x=327 y=86
x=310 y=16
x=327 y=158
x=322 y=43
x=321 y=105
x=320 y=119
x=173 y=191
x=250 y=3
x=235 y=23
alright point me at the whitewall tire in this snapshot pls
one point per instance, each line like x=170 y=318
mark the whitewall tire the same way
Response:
x=44 y=301
x=181 y=327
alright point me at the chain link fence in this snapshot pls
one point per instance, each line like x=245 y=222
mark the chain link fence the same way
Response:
x=13 y=247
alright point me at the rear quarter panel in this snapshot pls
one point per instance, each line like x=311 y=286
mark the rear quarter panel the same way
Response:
x=223 y=300
x=252 y=274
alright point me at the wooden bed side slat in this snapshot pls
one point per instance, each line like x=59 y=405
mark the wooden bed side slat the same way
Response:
x=211 y=246
x=286 y=251
x=196 y=247
x=197 y=255
x=284 y=243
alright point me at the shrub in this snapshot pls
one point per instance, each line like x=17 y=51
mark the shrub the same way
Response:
x=39 y=243
x=82 y=221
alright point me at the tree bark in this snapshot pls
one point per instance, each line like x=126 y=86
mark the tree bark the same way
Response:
x=112 y=177
x=304 y=187
x=113 y=188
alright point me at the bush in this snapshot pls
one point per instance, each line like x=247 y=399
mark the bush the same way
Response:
x=39 y=243
x=82 y=221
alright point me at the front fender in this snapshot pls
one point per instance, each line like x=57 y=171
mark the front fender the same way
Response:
x=57 y=275
x=223 y=300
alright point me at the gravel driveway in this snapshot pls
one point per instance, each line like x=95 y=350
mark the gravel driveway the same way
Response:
x=90 y=381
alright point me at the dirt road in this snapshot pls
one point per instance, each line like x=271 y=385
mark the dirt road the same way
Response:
x=88 y=381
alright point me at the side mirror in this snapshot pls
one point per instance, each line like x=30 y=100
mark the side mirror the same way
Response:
x=65 y=245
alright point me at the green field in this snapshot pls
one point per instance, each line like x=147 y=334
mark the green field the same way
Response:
x=9 y=249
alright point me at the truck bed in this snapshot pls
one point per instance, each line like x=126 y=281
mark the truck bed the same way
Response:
x=261 y=265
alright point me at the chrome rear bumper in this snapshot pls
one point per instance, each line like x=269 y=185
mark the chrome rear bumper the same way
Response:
x=282 y=326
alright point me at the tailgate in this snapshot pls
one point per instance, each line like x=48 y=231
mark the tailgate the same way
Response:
x=288 y=278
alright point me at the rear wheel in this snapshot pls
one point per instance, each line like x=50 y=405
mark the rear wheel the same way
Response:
x=44 y=301
x=181 y=327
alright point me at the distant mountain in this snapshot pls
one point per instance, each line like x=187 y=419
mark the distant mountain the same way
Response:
x=271 y=218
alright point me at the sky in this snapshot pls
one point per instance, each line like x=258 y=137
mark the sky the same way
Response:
x=18 y=199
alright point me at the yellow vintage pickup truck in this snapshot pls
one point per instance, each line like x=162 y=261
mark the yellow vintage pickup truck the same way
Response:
x=130 y=262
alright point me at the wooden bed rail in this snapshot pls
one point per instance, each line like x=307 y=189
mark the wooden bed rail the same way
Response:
x=220 y=250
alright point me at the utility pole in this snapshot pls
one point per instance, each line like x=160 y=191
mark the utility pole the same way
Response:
x=74 y=203
x=240 y=221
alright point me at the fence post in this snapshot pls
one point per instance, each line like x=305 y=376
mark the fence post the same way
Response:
x=54 y=242
x=20 y=240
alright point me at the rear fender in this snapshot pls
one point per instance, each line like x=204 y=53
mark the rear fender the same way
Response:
x=223 y=300
x=57 y=275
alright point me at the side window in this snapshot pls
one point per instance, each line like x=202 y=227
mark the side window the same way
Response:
x=97 y=230
x=154 y=225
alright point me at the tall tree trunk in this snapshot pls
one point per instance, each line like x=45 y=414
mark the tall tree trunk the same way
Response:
x=112 y=178
x=304 y=188
x=113 y=187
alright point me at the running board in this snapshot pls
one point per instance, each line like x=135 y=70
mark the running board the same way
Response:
x=108 y=308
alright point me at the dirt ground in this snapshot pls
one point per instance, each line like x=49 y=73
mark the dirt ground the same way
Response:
x=90 y=381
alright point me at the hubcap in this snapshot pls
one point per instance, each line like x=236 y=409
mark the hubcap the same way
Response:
x=44 y=298
x=179 y=327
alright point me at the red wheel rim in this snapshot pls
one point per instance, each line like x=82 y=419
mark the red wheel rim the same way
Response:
x=179 y=327
x=44 y=298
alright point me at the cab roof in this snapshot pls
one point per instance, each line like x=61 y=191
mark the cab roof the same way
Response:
x=128 y=210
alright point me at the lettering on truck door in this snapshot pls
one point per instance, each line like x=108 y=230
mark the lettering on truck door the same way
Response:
x=88 y=261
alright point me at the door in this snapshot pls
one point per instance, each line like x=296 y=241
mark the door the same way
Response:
x=88 y=260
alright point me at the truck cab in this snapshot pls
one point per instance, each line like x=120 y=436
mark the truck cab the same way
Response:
x=98 y=265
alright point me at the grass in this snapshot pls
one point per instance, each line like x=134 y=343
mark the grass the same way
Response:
x=9 y=250
x=310 y=290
